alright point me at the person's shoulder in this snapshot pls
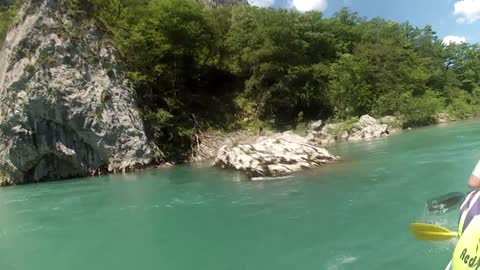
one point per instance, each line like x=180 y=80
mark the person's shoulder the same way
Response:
x=468 y=200
x=475 y=202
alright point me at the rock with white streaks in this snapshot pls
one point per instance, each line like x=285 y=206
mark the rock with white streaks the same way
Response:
x=66 y=109
x=274 y=156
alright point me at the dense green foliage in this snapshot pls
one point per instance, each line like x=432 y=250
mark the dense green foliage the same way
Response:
x=198 y=67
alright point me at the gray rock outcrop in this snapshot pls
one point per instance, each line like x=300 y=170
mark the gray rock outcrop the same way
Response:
x=206 y=145
x=327 y=135
x=390 y=121
x=66 y=107
x=273 y=156
x=317 y=125
x=365 y=128
x=443 y=118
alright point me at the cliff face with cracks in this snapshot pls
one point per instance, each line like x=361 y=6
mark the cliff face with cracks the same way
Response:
x=66 y=108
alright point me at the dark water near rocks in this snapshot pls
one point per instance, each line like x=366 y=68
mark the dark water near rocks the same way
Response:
x=353 y=215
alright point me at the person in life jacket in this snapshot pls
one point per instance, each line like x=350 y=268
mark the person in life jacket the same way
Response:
x=466 y=255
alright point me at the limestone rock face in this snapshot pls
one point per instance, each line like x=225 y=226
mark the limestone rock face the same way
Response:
x=273 y=156
x=66 y=107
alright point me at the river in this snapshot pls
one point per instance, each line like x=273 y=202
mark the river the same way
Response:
x=352 y=215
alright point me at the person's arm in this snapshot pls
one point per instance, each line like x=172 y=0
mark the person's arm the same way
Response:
x=474 y=181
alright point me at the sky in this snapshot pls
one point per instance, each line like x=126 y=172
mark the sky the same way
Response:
x=453 y=20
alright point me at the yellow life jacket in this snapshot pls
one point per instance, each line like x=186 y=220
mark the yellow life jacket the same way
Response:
x=467 y=252
x=466 y=255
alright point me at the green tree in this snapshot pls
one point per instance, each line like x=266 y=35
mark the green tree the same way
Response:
x=195 y=67
x=8 y=13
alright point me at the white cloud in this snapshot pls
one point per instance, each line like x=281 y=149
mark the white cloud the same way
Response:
x=261 y=3
x=309 y=5
x=454 y=40
x=467 y=11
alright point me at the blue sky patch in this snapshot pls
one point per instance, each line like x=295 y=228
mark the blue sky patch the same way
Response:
x=453 y=20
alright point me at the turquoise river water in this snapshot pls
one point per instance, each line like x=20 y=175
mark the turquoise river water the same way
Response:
x=352 y=215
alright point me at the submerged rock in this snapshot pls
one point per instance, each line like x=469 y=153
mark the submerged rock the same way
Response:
x=66 y=107
x=274 y=156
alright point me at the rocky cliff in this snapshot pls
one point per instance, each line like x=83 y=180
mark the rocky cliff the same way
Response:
x=66 y=108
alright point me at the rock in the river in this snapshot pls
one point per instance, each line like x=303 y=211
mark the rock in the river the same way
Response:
x=327 y=135
x=317 y=125
x=207 y=144
x=367 y=128
x=394 y=124
x=274 y=156
x=443 y=118
x=66 y=107
x=389 y=120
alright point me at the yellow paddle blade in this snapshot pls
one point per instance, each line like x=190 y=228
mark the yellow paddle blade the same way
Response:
x=432 y=232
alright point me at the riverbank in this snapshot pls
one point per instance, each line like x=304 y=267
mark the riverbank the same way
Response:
x=239 y=150
x=269 y=153
x=324 y=134
x=207 y=144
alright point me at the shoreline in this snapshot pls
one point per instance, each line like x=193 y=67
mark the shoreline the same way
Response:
x=232 y=136
x=237 y=136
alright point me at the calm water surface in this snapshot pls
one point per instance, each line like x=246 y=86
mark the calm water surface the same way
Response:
x=353 y=215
